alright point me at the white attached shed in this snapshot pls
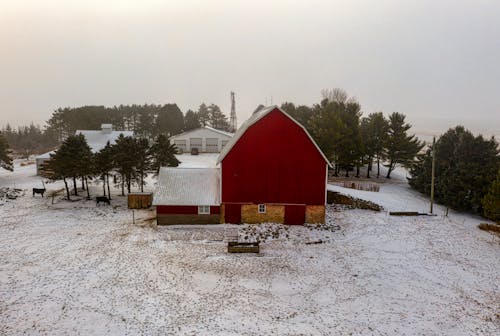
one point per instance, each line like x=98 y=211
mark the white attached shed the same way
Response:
x=205 y=139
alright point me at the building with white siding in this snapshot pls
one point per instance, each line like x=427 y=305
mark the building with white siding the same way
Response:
x=205 y=139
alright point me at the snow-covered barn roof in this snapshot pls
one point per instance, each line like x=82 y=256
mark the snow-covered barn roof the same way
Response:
x=187 y=186
x=252 y=120
x=208 y=128
x=97 y=139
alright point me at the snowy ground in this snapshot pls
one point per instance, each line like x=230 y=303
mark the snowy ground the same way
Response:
x=74 y=268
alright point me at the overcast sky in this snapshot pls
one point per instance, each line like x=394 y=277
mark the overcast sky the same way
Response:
x=436 y=61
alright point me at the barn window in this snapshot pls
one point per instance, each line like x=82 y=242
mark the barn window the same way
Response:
x=262 y=208
x=203 y=209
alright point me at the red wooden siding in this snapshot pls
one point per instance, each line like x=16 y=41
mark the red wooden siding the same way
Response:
x=274 y=162
x=295 y=214
x=183 y=209
x=232 y=213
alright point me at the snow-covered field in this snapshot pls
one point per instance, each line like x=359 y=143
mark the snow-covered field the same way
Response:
x=73 y=268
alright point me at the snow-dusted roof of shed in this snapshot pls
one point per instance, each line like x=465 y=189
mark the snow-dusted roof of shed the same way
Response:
x=97 y=139
x=252 y=120
x=187 y=186
x=228 y=134
x=45 y=155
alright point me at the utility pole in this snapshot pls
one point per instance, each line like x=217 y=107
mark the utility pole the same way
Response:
x=232 y=119
x=433 y=172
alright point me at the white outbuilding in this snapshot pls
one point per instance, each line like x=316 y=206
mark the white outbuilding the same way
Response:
x=96 y=139
x=205 y=139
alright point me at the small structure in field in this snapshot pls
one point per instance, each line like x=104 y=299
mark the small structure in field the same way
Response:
x=204 y=140
x=140 y=200
x=187 y=196
x=243 y=247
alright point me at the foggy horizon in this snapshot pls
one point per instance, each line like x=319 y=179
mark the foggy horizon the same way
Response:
x=435 y=62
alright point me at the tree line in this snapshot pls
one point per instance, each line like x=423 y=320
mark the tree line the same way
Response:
x=146 y=121
x=351 y=141
x=466 y=167
x=129 y=158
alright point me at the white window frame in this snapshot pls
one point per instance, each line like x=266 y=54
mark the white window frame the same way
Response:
x=262 y=208
x=203 y=209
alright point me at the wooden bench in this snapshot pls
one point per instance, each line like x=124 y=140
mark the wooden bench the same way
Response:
x=239 y=247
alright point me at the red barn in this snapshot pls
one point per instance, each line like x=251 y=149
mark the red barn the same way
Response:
x=272 y=171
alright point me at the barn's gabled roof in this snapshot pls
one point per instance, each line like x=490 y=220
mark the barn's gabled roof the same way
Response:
x=187 y=186
x=228 y=134
x=254 y=119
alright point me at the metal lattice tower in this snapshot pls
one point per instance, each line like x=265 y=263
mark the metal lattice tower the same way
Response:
x=232 y=119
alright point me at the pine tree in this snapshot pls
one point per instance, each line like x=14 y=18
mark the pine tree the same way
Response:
x=217 y=119
x=103 y=165
x=491 y=201
x=5 y=160
x=162 y=154
x=203 y=115
x=401 y=148
x=143 y=160
x=335 y=127
x=124 y=160
x=465 y=168
x=72 y=160
x=191 y=120
x=374 y=130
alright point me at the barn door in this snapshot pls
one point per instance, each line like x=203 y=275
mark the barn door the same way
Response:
x=295 y=214
x=232 y=213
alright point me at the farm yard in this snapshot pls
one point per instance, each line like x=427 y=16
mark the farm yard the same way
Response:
x=74 y=268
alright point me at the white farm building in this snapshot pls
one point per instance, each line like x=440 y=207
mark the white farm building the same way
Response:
x=96 y=139
x=205 y=139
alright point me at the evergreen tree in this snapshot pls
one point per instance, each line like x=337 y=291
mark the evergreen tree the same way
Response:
x=217 y=119
x=401 y=148
x=72 y=160
x=143 y=160
x=300 y=113
x=465 y=168
x=162 y=154
x=491 y=201
x=374 y=130
x=170 y=120
x=124 y=160
x=5 y=160
x=335 y=127
x=203 y=115
x=103 y=165
x=191 y=120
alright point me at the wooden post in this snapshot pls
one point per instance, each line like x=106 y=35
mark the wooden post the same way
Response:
x=133 y=216
x=433 y=172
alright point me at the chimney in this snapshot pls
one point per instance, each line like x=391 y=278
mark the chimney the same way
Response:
x=106 y=128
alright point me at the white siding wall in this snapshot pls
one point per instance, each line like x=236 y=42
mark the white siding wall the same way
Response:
x=214 y=140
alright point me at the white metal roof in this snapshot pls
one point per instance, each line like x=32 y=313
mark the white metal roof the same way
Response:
x=187 y=186
x=97 y=139
x=252 y=120
x=208 y=128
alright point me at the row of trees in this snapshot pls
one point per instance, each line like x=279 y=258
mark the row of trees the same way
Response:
x=465 y=168
x=147 y=121
x=27 y=140
x=132 y=159
x=351 y=141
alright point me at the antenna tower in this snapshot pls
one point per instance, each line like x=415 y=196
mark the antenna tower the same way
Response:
x=232 y=119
